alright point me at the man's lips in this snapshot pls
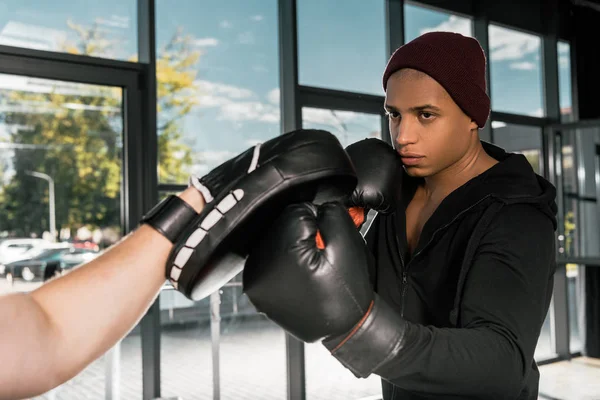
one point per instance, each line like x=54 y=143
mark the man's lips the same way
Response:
x=410 y=158
x=410 y=155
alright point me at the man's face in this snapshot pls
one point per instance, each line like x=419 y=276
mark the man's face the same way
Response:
x=428 y=128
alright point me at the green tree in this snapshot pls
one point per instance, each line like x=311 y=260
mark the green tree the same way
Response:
x=176 y=94
x=73 y=133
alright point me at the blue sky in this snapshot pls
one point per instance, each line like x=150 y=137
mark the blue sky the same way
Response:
x=238 y=72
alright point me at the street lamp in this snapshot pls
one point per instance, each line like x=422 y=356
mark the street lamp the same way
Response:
x=51 y=199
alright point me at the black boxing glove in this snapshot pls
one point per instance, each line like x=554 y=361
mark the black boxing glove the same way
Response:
x=379 y=171
x=311 y=293
x=323 y=294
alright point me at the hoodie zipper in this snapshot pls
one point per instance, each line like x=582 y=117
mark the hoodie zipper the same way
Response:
x=404 y=279
x=405 y=267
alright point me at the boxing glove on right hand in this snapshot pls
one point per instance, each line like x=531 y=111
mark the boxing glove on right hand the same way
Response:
x=379 y=170
x=310 y=292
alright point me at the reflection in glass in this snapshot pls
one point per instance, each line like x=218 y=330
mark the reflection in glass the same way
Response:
x=326 y=378
x=220 y=337
x=218 y=95
x=60 y=172
x=526 y=140
x=576 y=305
x=420 y=20
x=515 y=71
x=106 y=29
x=545 y=345
x=564 y=79
x=347 y=126
x=581 y=215
x=61 y=150
x=218 y=82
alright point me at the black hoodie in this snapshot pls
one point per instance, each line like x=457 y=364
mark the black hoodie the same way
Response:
x=477 y=290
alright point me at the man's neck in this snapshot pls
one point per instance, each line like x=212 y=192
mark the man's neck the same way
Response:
x=475 y=162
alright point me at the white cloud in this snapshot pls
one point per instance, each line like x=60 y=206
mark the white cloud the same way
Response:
x=211 y=101
x=253 y=142
x=89 y=107
x=257 y=18
x=249 y=111
x=271 y=115
x=114 y=21
x=225 y=24
x=523 y=66
x=507 y=44
x=32 y=36
x=220 y=90
x=236 y=103
x=206 y=42
x=334 y=119
x=204 y=161
x=36 y=85
x=537 y=113
x=273 y=96
x=178 y=155
x=452 y=24
x=216 y=156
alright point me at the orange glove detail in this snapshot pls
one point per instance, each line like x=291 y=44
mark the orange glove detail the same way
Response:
x=358 y=217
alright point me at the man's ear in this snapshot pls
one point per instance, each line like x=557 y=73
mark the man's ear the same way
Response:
x=473 y=126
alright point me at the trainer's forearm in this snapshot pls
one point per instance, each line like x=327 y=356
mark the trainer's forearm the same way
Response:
x=54 y=332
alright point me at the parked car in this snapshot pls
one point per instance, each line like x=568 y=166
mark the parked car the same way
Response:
x=20 y=248
x=47 y=264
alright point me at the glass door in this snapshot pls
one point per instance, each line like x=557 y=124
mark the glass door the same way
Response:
x=61 y=200
x=574 y=158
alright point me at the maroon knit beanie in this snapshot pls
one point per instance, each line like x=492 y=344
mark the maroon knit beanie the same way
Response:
x=455 y=61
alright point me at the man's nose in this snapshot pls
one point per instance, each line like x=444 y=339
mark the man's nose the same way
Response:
x=405 y=133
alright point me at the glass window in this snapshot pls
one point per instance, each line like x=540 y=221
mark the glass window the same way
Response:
x=526 y=140
x=61 y=150
x=347 y=126
x=218 y=82
x=342 y=47
x=106 y=29
x=212 y=340
x=218 y=94
x=420 y=20
x=545 y=344
x=515 y=72
x=564 y=80
x=580 y=166
x=575 y=298
x=326 y=378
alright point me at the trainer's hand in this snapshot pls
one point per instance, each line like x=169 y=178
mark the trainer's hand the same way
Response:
x=194 y=198
x=313 y=294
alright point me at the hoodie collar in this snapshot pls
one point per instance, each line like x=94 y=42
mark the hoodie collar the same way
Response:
x=512 y=180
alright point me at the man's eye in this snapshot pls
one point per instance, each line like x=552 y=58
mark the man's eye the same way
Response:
x=426 y=115
x=393 y=114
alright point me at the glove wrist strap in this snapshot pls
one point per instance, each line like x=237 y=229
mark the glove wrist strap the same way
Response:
x=170 y=217
x=379 y=338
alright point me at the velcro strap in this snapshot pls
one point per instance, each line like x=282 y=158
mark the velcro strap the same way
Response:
x=170 y=217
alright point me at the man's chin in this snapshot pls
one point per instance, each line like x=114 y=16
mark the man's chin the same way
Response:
x=415 y=172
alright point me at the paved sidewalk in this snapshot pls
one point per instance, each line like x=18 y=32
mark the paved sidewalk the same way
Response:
x=252 y=367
